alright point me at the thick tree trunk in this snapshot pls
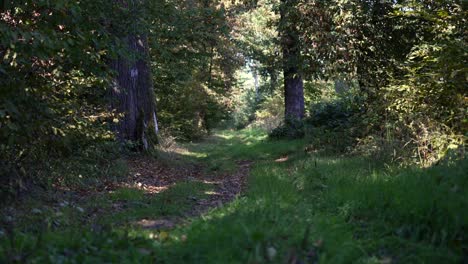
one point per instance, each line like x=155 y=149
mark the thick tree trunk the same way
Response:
x=293 y=94
x=133 y=93
x=293 y=84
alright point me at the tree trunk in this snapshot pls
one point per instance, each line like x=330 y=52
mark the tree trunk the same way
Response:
x=293 y=84
x=133 y=93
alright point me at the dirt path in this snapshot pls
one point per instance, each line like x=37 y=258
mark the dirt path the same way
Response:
x=153 y=177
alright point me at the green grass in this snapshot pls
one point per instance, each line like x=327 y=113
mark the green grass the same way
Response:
x=175 y=201
x=221 y=151
x=310 y=207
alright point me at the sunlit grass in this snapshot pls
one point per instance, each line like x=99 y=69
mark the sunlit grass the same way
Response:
x=310 y=207
x=133 y=204
x=198 y=155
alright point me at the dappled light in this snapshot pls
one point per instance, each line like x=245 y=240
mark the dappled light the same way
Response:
x=225 y=131
x=283 y=159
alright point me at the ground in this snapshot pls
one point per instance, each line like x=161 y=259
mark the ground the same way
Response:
x=238 y=197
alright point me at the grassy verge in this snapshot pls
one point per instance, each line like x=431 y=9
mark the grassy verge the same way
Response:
x=299 y=208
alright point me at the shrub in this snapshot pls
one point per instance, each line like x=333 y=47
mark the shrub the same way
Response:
x=291 y=129
x=334 y=125
x=270 y=114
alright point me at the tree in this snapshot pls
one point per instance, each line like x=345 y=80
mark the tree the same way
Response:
x=291 y=48
x=193 y=60
x=132 y=90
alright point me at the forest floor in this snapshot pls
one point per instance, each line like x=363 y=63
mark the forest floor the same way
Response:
x=238 y=197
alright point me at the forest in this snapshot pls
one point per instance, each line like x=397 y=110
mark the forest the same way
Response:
x=233 y=131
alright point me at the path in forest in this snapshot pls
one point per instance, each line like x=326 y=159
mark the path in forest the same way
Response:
x=300 y=207
x=154 y=177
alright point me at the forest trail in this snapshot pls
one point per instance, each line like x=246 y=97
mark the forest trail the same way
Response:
x=153 y=177
x=238 y=197
x=342 y=131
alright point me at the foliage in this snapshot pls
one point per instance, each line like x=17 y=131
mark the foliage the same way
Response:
x=408 y=59
x=429 y=102
x=270 y=113
x=255 y=33
x=244 y=114
x=193 y=67
x=246 y=99
x=335 y=114
x=290 y=129
x=52 y=78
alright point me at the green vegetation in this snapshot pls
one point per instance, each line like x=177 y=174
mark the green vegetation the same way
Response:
x=233 y=131
x=176 y=201
x=307 y=206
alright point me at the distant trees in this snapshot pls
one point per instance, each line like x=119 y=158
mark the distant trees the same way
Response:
x=404 y=60
x=193 y=62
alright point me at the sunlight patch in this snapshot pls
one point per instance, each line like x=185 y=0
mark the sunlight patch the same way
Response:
x=224 y=136
x=187 y=152
x=282 y=159
x=212 y=193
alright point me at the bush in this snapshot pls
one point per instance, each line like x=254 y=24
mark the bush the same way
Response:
x=291 y=129
x=334 y=125
x=270 y=114
x=337 y=114
x=52 y=85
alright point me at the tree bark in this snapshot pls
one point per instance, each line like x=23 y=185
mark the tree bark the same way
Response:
x=133 y=92
x=293 y=83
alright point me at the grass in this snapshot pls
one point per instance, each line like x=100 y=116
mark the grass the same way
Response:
x=298 y=208
x=175 y=201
